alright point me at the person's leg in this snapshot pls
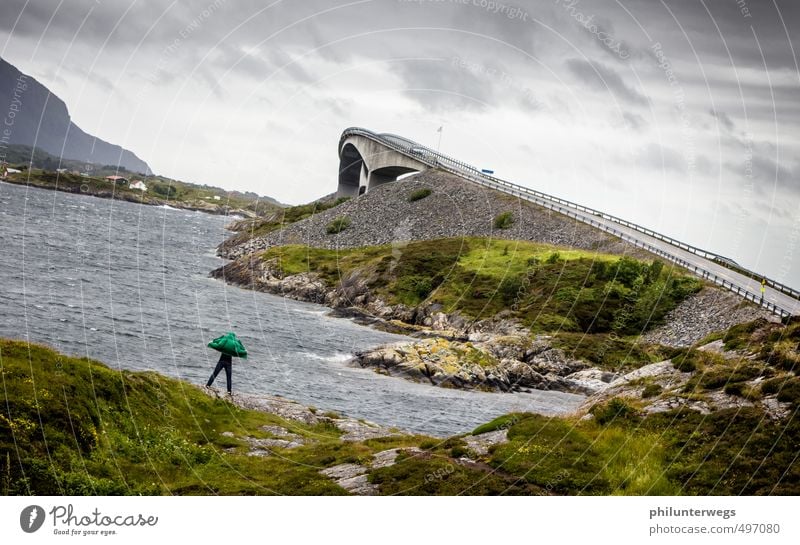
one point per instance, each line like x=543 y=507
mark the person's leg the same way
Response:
x=217 y=369
x=228 y=373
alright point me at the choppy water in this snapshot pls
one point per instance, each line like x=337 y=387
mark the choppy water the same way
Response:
x=127 y=284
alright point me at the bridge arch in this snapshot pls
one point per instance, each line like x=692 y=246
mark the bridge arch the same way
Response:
x=365 y=164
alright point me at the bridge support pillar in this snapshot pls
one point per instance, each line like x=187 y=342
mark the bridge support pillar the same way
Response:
x=376 y=179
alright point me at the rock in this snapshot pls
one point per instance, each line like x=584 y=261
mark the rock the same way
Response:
x=479 y=444
x=670 y=403
x=352 y=478
x=386 y=458
x=357 y=430
x=344 y=471
x=777 y=410
x=705 y=312
x=630 y=385
x=589 y=381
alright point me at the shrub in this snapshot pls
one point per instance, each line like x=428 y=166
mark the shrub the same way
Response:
x=651 y=390
x=553 y=258
x=419 y=194
x=686 y=361
x=504 y=220
x=338 y=225
x=615 y=409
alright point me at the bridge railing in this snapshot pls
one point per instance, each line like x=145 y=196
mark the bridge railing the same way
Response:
x=439 y=160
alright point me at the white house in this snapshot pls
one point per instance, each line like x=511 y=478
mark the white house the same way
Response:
x=217 y=197
x=138 y=184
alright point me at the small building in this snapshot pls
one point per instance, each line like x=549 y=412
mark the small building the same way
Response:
x=138 y=184
x=217 y=198
x=117 y=179
x=61 y=170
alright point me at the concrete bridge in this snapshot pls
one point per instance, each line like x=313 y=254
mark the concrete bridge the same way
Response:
x=366 y=162
x=368 y=159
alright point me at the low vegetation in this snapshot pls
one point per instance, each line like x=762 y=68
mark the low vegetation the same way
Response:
x=338 y=225
x=74 y=426
x=545 y=287
x=419 y=194
x=278 y=219
x=504 y=220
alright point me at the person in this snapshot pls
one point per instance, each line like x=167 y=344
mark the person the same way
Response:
x=225 y=362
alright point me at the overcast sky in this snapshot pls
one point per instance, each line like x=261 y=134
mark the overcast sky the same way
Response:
x=683 y=115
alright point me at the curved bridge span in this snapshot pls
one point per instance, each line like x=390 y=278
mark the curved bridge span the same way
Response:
x=368 y=159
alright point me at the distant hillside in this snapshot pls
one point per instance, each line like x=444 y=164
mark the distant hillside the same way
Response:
x=39 y=118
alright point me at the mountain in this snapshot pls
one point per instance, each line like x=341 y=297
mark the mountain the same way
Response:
x=33 y=116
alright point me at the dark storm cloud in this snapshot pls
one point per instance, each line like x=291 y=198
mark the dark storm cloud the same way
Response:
x=714 y=27
x=763 y=164
x=604 y=79
x=445 y=84
x=723 y=119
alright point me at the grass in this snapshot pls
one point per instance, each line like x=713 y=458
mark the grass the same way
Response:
x=338 y=225
x=578 y=290
x=504 y=220
x=419 y=194
x=75 y=426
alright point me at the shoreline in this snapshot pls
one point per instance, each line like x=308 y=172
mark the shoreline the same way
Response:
x=218 y=210
x=493 y=355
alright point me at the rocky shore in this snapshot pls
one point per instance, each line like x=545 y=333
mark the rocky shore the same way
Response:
x=494 y=354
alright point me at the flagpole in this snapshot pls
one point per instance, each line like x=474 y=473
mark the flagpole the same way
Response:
x=439 y=145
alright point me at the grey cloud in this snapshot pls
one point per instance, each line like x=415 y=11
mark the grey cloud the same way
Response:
x=602 y=78
x=439 y=85
x=634 y=121
x=660 y=158
x=723 y=119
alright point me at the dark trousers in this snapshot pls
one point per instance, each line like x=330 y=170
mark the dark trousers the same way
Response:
x=222 y=364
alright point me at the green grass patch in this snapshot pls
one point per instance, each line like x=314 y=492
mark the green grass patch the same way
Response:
x=504 y=220
x=419 y=194
x=74 y=426
x=338 y=225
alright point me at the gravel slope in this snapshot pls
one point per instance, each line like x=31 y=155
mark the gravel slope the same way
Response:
x=456 y=208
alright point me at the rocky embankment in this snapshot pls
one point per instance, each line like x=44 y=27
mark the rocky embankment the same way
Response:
x=455 y=208
x=703 y=313
x=660 y=387
x=497 y=363
x=493 y=354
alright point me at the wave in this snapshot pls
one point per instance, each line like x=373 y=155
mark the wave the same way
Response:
x=338 y=357
x=319 y=312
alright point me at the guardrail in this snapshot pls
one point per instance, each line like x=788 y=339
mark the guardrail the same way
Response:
x=454 y=166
